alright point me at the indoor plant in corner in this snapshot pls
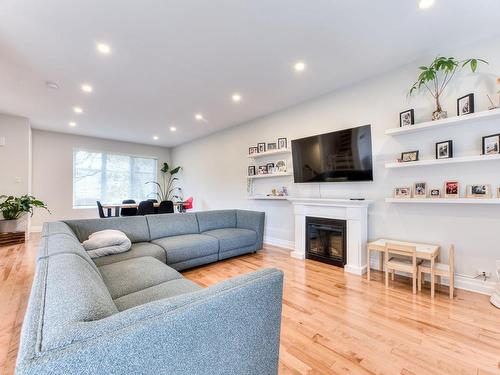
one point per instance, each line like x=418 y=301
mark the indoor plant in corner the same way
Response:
x=14 y=211
x=167 y=190
x=436 y=77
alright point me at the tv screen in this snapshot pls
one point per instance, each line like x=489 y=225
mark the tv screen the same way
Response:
x=344 y=155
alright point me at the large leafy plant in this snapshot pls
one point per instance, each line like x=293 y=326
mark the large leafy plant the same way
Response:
x=167 y=190
x=437 y=76
x=13 y=207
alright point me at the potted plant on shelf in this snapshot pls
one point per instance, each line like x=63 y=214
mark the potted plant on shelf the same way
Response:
x=436 y=77
x=14 y=211
x=166 y=190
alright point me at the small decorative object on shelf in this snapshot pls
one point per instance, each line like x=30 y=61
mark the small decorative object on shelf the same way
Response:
x=478 y=191
x=436 y=77
x=491 y=144
x=407 y=118
x=262 y=170
x=409 y=156
x=451 y=189
x=271 y=146
x=282 y=143
x=261 y=147
x=465 y=105
x=420 y=190
x=281 y=166
x=283 y=192
x=253 y=150
x=402 y=192
x=444 y=150
x=435 y=193
x=493 y=105
x=498 y=192
x=251 y=170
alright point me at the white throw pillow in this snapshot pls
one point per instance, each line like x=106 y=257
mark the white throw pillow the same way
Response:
x=107 y=242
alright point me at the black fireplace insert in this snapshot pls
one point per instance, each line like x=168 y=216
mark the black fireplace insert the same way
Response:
x=326 y=240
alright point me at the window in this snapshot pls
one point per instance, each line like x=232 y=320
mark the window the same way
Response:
x=111 y=178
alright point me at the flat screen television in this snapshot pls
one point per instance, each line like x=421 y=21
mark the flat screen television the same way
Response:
x=344 y=155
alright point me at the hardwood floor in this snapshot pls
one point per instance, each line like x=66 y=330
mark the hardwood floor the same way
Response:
x=333 y=323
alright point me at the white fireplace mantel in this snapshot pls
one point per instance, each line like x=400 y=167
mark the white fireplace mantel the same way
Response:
x=354 y=212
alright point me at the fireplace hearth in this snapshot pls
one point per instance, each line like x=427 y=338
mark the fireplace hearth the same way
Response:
x=326 y=240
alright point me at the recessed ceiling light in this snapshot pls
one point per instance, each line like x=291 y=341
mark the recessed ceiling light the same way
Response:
x=236 y=98
x=299 y=66
x=72 y=124
x=52 y=85
x=198 y=116
x=103 y=48
x=155 y=137
x=77 y=110
x=87 y=88
x=425 y=4
x=173 y=128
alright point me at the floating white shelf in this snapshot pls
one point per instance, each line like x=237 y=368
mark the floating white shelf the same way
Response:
x=460 y=159
x=444 y=200
x=451 y=121
x=270 y=153
x=267 y=197
x=269 y=175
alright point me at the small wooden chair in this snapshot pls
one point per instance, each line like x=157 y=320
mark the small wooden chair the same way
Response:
x=440 y=269
x=407 y=262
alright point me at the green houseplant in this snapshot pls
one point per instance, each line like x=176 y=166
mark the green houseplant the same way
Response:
x=14 y=211
x=436 y=77
x=167 y=190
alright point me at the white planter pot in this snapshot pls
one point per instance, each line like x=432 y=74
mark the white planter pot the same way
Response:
x=17 y=225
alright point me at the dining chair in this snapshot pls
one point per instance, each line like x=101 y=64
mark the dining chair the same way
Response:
x=405 y=262
x=101 y=210
x=145 y=208
x=154 y=201
x=128 y=211
x=166 y=207
x=440 y=269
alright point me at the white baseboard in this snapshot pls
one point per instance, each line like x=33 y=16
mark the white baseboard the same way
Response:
x=464 y=282
x=279 y=243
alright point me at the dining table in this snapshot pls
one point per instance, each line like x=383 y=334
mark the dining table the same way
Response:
x=118 y=206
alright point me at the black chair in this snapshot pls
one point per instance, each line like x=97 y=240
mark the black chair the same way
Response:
x=128 y=211
x=166 y=207
x=101 y=210
x=154 y=201
x=145 y=208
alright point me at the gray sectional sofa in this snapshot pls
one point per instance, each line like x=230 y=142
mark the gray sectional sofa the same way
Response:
x=134 y=313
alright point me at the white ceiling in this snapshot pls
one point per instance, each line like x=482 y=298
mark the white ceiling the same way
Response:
x=172 y=59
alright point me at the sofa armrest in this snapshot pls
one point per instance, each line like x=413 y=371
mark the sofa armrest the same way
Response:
x=230 y=328
x=252 y=220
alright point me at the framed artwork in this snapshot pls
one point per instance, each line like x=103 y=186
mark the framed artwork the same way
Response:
x=282 y=143
x=420 y=190
x=491 y=144
x=465 y=105
x=271 y=146
x=270 y=168
x=444 y=150
x=262 y=170
x=251 y=170
x=407 y=118
x=435 y=193
x=261 y=147
x=409 y=156
x=451 y=189
x=478 y=191
x=253 y=150
x=402 y=192
x=281 y=166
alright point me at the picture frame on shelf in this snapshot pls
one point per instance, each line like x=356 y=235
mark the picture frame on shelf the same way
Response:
x=251 y=170
x=261 y=147
x=465 y=105
x=478 y=191
x=282 y=143
x=280 y=165
x=407 y=118
x=270 y=168
x=409 y=156
x=262 y=170
x=402 y=192
x=420 y=190
x=491 y=144
x=272 y=146
x=435 y=193
x=444 y=150
x=451 y=189
x=253 y=150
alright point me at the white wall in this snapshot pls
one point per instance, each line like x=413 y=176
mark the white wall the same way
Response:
x=215 y=166
x=53 y=170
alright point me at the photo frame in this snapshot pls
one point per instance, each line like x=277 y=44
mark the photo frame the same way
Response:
x=270 y=168
x=491 y=144
x=478 y=191
x=402 y=192
x=282 y=143
x=451 y=189
x=407 y=118
x=444 y=150
x=262 y=170
x=272 y=146
x=435 y=193
x=252 y=150
x=261 y=147
x=420 y=190
x=409 y=156
x=465 y=105
x=280 y=166
x=251 y=170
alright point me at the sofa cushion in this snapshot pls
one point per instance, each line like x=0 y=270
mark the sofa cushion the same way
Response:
x=138 y=249
x=168 y=225
x=135 y=227
x=209 y=220
x=188 y=246
x=164 y=290
x=132 y=275
x=233 y=238
x=56 y=227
